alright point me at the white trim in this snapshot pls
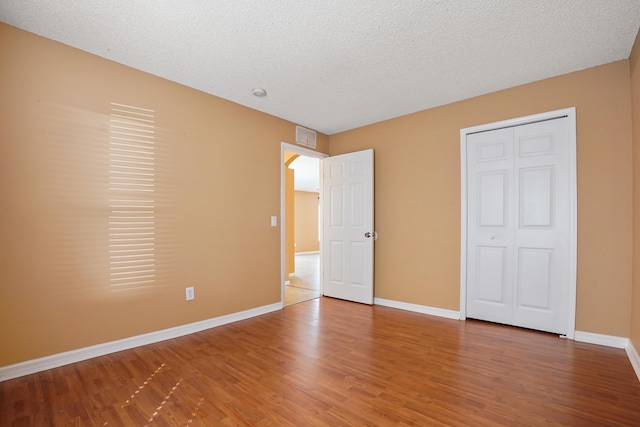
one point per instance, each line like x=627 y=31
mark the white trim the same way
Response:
x=599 y=339
x=573 y=226
x=424 y=309
x=634 y=358
x=463 y=224
x=73 y=356
x=285 y=146
x=573 y=202
x=308 y=253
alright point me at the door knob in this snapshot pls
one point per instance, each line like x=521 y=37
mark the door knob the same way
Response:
x=367 y=234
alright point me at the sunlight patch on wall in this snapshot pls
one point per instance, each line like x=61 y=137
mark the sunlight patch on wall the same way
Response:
x=66 y=202
x=132 y=219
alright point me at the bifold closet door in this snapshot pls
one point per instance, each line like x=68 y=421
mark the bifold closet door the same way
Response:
x=518 y=225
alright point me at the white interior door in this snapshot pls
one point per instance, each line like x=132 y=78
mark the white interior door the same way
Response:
x=518 y=242
x=348 y=235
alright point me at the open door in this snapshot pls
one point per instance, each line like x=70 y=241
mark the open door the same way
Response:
x=347 y=227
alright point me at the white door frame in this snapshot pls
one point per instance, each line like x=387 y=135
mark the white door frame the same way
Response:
x=570 y=113
x=285 y=146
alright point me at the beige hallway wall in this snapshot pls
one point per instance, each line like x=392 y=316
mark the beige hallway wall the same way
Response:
x=306 y=219
x=417 y=179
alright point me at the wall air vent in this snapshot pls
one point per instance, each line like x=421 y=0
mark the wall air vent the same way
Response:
x=306 y=137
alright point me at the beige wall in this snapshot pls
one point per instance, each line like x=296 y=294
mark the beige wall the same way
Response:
x=306 y=219
x=290 y=216
x=219 y=183
x=417 y=197
x=634 y=61
x=289 y=213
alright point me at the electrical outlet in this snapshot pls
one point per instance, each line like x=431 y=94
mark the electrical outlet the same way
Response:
x=190 y=293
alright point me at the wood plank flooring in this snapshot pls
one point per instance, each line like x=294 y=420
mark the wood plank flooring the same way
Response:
x=328 y=362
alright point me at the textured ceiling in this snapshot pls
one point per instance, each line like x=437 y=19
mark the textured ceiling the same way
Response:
x=333 y=65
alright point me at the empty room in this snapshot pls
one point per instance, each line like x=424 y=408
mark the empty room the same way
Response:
x=475 y=213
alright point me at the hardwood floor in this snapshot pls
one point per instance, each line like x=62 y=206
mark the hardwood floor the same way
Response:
x=328 y=362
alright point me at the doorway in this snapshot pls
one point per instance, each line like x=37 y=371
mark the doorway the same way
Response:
x=300 y=213
x=518 y=249
x=347 y=221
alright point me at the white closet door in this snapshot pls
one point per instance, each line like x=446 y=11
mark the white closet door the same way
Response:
x=542 y=221
x=518 y=226
x=490 y=229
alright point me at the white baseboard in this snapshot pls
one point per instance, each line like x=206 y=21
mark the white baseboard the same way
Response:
x=61 y=359
x=308 y=253
x=606 y=340
x=634 y=358
x=424 y=309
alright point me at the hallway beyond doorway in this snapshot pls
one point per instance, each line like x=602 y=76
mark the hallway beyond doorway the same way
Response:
x=305 y=285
